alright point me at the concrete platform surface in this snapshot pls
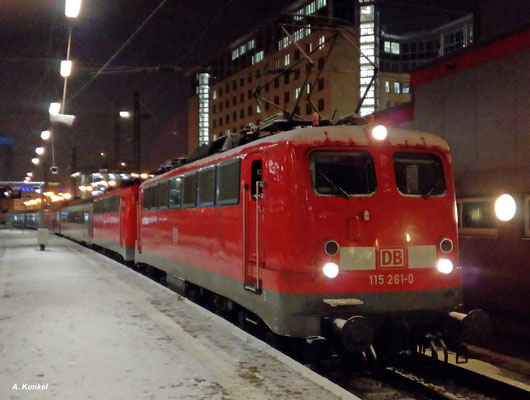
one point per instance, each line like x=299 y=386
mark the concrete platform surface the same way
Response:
x=77 y=325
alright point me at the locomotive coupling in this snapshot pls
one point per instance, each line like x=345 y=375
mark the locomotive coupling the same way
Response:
x=355 y=333
x=475 y=326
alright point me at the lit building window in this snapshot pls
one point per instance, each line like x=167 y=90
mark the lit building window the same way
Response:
x=308 y=88
x=366 y=58
x=235 y=54
x=277 y=64
x=204 y=106
x=320 y=4
x=297 y=92
x=214 y=94
x=405 y=88
x=256 y=58
x=251 y=44
x=387 y=86
x=395 y=48
x=286 y=60
x=321 y=41
x=311 y=7
x=387 y=47
x=282 y=44
x=396 y=87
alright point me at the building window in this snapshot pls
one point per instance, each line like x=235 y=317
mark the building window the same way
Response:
x=321 y=63
x=277 y=64
x=234 y=84
x=308 y=109
x=241 y=113
x=321 y=84
x=387 y=86
x=277 y=100
x=405 y=88
x=321 y=42
x=227 y=103
x=220 y=92
x=297 y=92
x=296 y=74
x=214 y=94
x=296 y=54
x=396 y=87
x=249 y=111
x=241 y=97
x=241 y=81
x=286 y=97
x=221 y=106
x=214 y=123
x=267 y=106
x=276 y=83
x=267 y=88
x=234 y=116
x=249 y=78
x=227 y=118
x=227 y=88
x=234 y=100
x=214 y=110
x=286 y=79
x=286 y=59
x=258 y=109
x=220 y=121
x=256 y=58
x=320 y=105
x=308 y=88
x=249 y=94
x=394 y=48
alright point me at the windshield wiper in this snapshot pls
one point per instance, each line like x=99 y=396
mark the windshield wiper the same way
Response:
x=429 y=192
x=344 y=192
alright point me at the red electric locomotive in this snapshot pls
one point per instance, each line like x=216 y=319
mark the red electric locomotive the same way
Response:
x=317 y=231
x=114 y=221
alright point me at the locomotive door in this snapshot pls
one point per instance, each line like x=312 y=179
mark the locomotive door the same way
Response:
x=254 y=206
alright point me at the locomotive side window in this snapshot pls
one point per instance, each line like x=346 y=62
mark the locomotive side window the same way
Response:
x=175 y=192
x=163 y=194
x=228 y=177
x=145 y=198
x=154 y=197
x=206 y=192
x=189 y=186
x=256 y=171
x=342 y=173
x=419 y=174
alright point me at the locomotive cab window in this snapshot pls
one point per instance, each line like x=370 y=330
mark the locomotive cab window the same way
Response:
x=342 y=173
x=154 y=197
x=419 y=174
x=228 y=177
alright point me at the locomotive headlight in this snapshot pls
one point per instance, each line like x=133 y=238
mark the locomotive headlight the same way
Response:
x=505 y=207
x=379 y=132
x=445 y=266
x=331 y=270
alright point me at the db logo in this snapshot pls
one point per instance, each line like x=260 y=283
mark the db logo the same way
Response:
x=392 y=258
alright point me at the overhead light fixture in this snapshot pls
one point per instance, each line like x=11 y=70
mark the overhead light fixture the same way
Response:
x=39 y=150
x=55 y=108
x=66 y=68
x=72 y=8
x=45 y=135
x=35 y=161
x=125 y=114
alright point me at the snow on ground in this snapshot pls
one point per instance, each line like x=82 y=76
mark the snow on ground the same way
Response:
x=85 y=327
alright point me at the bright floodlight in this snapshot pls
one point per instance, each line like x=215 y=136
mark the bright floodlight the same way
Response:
x=72 y=7
x=30 y=174
x=125 y=114
x=505 y=207
x=331 y=270
x=45 y=135
x=67 y=196
x=66 y=68
x=445 y=266
x=379 y=132
x=39 y=150
x=55 y=108
x=35 y=161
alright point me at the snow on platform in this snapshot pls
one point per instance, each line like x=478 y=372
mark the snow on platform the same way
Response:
x=77 y=325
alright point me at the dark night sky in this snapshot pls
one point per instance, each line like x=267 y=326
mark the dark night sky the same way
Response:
x=185 y=33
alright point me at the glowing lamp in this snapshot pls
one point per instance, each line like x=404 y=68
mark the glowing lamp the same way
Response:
x=379 y=132
x=72 y=7
x=445 y=266
x=45 y=135
x=35 y=161
x=331 y=270
x=505 y=207
x=66 y=68
x=39 y=150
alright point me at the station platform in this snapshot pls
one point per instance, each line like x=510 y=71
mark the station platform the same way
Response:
x=77 y=325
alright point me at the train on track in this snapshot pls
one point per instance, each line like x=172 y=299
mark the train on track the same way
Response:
x=346 y=232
